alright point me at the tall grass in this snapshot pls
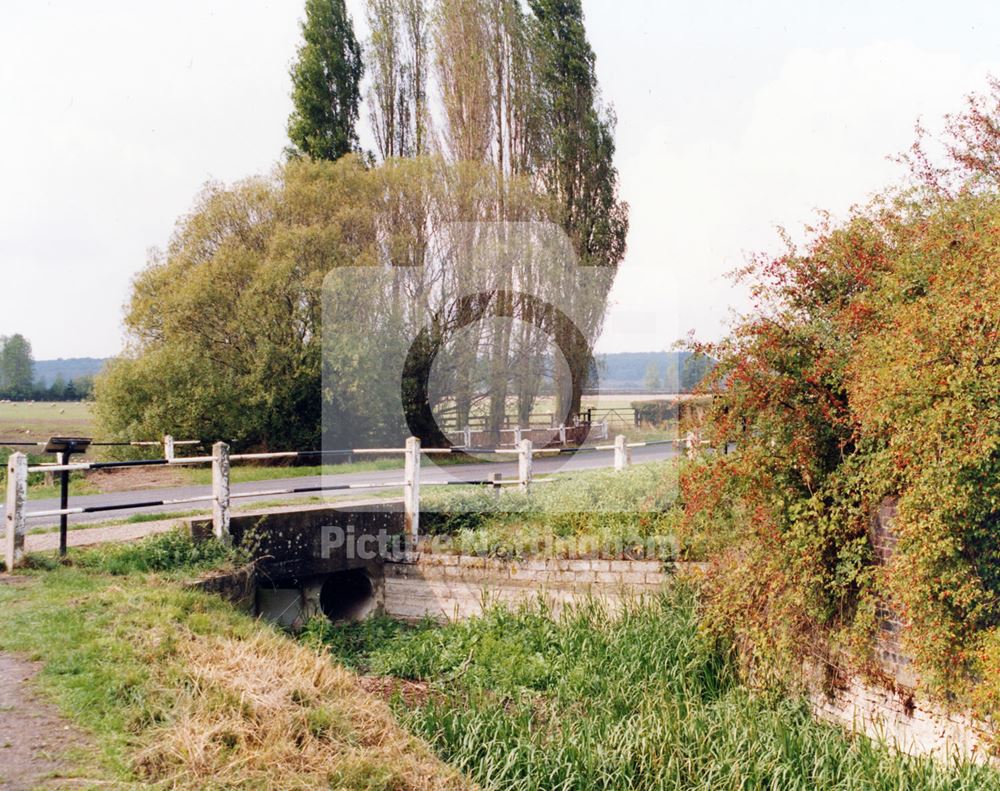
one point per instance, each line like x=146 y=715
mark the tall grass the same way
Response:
x=523 y=702
x=612 y=509
x=173 y=551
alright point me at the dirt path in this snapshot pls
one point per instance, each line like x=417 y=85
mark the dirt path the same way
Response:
x=34 y=738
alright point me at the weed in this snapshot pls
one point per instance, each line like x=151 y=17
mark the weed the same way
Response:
x=174 y=550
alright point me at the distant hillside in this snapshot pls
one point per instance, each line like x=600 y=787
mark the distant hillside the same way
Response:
x=676 y=372
x=46 y=371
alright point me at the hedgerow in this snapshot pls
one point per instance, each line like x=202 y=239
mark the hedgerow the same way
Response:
x=869 y=368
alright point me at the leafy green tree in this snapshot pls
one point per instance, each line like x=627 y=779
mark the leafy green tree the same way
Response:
x=57 y=390
x=227 y=336
x=326 y=83
x=18 y=367
x=84 y=387
x=693 y=369
x=652 y=381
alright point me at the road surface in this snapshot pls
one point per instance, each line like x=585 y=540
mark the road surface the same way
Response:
x=391 y=479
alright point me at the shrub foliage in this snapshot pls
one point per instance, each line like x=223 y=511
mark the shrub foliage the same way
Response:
x=869 y=368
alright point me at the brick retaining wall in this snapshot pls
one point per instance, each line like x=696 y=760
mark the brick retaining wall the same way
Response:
x=449 y=587
x=911 y=726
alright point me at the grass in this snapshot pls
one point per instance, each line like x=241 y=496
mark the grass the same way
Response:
x=36 y=487
x=177 y=689
x=36 y=421
x=591 y=702
x=246 y=473
x=592 y=512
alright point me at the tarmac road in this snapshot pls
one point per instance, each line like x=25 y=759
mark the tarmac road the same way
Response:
x=391 y=479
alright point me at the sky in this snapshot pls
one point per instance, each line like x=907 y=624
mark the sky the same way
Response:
x=734 y=118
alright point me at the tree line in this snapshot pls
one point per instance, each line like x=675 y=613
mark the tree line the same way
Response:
x=485 y=114
x=17 y=376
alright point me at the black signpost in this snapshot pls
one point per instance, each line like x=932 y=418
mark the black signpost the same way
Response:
x=64 y=447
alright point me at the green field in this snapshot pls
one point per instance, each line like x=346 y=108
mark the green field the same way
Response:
x=36 y=421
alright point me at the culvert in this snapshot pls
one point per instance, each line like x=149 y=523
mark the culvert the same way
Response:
x=347 y=595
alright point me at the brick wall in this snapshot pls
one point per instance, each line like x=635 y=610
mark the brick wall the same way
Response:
x=897 y=718
x=894 y=713
x=889 y=650
x=449 y=587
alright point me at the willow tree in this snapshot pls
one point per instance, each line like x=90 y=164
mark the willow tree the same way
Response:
x=223 y=328
x=227 y=336
x=326 y=83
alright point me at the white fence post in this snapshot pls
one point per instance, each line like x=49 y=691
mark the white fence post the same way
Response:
x=467 y=436
x=562 y=434
x=220 y=491
x=517 y=436
x=524 y=457
x=168 y=447
x=411 y=488
x=17 y=496
x=623 y=453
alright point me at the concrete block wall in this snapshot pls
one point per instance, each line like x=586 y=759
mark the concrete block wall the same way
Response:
x=451 y=587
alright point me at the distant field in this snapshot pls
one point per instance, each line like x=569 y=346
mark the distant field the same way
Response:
x=33 y=421
x=545 y=405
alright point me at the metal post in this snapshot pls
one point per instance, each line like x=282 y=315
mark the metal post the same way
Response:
x=623 y=453
x=411 y=488
x=524 y=457
x=17 y=496
x=63 y=458
x=168 y=447
x=220 y=491
x=497 y=477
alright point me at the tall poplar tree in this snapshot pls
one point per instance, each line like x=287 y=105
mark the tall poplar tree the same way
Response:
x=326 y=83
x=578 y=137
x=576 y=159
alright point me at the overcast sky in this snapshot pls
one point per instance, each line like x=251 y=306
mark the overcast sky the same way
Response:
x=733 y=118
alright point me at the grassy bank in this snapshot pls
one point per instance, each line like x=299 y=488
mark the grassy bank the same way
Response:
x=586 y=512
x=521 y=702
x=178 y=690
